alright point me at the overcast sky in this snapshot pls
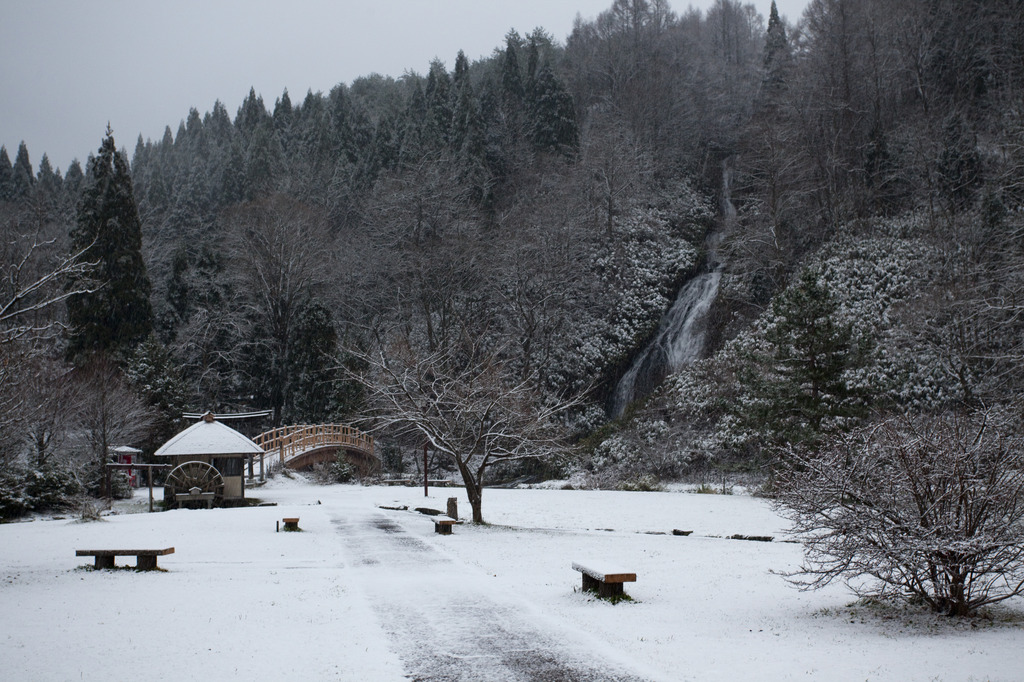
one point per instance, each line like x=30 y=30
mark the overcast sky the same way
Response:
x=70 y=66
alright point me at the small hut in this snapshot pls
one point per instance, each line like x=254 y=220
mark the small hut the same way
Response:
x=210 y=457
x=124 y=454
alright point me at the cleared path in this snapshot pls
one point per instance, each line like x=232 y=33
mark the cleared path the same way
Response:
x=444 y=620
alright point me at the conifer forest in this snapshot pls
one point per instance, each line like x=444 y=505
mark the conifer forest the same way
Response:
x=677 y=245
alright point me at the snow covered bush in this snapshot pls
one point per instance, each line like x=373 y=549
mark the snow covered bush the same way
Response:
x=14 y=501
x=120 y=486
x=928 y=508
x=54 y=486
x=51 y=487
x=339 y=470
x=636 y=458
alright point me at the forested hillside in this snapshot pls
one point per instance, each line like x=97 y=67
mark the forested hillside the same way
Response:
x=532 y=216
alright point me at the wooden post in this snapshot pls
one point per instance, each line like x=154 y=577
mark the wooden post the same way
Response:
x=280 y=448
x=149 y=474
x=263 y=476
x=426 y=493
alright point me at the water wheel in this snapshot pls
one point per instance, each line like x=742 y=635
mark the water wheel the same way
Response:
x=185 y=478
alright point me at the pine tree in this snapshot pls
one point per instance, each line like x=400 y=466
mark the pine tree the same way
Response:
x=553 y=115
x=6 y=176
x=72 y=186
x=117 y=316
x=511 y=78
x=439 y=111
x=799 y=387
x=22 y=177
x=777 y=54
x=48 y=181
x=153 y=374
x=252 y=115
x=461 y=76
x=312 y=364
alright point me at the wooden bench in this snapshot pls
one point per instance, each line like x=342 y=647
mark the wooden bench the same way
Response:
x=145 y=559
x=397 y=481
x=291 y=523
x=605 y=583
x=443 y=525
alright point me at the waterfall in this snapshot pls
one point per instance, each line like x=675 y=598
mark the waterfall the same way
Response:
x=678 y=342
x=680 y=336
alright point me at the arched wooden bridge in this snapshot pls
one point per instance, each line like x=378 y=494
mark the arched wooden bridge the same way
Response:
x=302 y=446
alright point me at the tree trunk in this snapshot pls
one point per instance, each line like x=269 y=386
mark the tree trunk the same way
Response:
x=474 y=491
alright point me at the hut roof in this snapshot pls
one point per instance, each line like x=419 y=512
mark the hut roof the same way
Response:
x=208 y=437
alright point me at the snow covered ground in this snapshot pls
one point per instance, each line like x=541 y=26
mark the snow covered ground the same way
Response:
x=371 y=594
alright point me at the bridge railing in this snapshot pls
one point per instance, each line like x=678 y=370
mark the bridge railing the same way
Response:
x=291 y=441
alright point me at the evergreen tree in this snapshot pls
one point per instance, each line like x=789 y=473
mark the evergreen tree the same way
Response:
x=47 y=184
x=799 y=386
x=252 y=115
x=284 y=118
x=312 y=366
x=6 y=176
x=71 y=188
x=511 y=78
x=553 y=115
x=153 y=374
x=461 y=77
x=218 y=124
x=439 y=111
x=22 y=177
x=233 y=180
x=117 y=316
x=777 y=55
x=263 y=160
x=413 y=135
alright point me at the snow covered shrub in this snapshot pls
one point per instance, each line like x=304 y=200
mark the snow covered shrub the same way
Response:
x=642 y=483
x=339 y=470
x=929 y=508
x=120 y=486
x=636 y=458
x=13 y=500
x=54 y=486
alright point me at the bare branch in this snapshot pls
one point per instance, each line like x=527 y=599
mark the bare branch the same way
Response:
x=929 y=508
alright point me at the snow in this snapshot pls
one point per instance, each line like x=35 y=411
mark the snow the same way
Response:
x=366 y=593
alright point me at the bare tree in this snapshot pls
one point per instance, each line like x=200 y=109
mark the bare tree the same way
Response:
x=467 y=406
x=111 y=413
x=51 y=398
x=928 y=508
x=33 y=282
x=619 y=167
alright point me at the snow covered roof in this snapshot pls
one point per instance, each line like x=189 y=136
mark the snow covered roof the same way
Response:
x=208 y=437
